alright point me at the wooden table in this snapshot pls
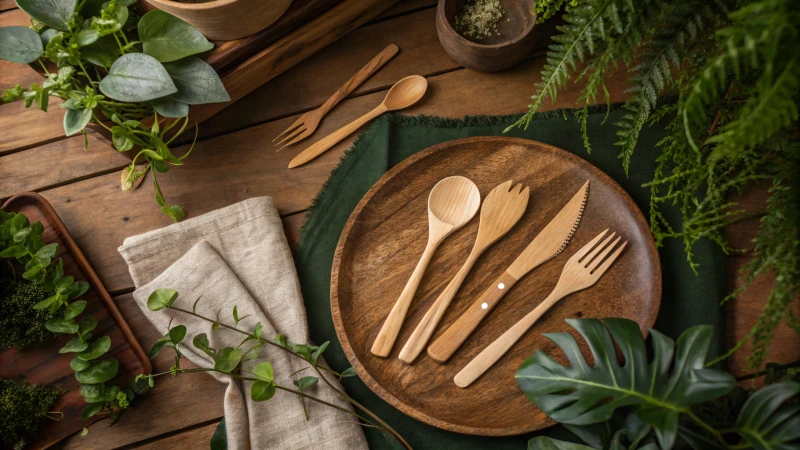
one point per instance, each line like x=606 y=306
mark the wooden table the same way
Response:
x=234 y=160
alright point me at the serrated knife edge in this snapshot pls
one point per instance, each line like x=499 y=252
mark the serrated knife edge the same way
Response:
x=554 y=237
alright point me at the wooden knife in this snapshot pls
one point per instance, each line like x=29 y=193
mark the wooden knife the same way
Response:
x=548 y=244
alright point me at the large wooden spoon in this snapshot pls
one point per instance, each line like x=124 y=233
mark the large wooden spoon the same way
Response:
x=501 y=209
x=451 y=204
x=403 y=94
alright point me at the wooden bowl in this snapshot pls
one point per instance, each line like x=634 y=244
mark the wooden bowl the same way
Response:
x=385 y=236
x=496 y=52
x=226 y=20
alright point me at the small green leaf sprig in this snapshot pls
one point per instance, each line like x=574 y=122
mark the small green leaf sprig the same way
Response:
x=23 y=241
x=228 y=361
x=116 y=70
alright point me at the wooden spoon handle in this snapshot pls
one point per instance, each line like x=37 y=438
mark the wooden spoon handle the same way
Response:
x=359 y=77
x=332 y=139
x=419 y=338
x=445 y=345
x=491 y=354
x=391 y=327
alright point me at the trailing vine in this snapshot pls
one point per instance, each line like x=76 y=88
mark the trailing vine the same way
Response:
x=735 y=69
x=22 y=241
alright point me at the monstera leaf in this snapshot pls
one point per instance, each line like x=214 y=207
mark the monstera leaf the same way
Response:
x=659 y=391
x=769 y=420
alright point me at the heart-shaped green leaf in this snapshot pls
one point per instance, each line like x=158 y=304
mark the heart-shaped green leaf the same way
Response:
x=168 y=38
x=306 y=383
x=136 y=77
x=177 y=333
x=76 y=120
x=197 y=82
x=98 y=372
x=20 y=45
x=262 y=390
x=264 y=372
x=227 y=359
x=161 y=298
x=74 y=345
x=53 y=13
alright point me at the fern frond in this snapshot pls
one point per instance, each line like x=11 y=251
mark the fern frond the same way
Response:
x=586 y=24
x=679 y=30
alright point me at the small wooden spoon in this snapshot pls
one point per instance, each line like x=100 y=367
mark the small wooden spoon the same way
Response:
x=403 y=94
x=502 y=209
x=451 y=204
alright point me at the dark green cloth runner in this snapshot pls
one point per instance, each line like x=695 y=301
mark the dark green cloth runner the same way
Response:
x=687 y=299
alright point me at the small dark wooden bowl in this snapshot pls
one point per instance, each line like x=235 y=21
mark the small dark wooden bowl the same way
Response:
x=497 y=52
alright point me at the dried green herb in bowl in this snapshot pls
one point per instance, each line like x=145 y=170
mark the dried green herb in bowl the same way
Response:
x=478 y=19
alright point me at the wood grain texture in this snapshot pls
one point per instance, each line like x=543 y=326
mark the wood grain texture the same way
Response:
x=452 y=203
x=208 y=181
x=226 y=19
x=306 y=124
x=366 y=253
x=188 y=440
x=502 y=208
x=7 y=4
x=56 y=163
x=44 y=364
x=302 y=87
x=513 y=41
x=292 y=49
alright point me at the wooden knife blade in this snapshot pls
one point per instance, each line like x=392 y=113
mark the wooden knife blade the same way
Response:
x=548 y=244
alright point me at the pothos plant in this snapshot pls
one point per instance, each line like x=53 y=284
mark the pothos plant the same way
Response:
x=22 y=242
x=643 y=403
x=735 y=69
x=228 y=361
x=118 y=70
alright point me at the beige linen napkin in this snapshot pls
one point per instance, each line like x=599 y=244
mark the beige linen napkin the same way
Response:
x=239 y=256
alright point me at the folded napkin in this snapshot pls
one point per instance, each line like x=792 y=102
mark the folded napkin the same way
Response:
x=238 y=256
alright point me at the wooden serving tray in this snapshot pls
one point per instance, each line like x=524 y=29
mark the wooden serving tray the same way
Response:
x=43 y=364
x=386 y=234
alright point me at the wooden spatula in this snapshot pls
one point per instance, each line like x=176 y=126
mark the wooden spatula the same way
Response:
x=548 y=244
x=502 y=209
x=580 y=272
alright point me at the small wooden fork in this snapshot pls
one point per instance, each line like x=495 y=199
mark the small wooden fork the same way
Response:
x=306 y=124
x=580 y=272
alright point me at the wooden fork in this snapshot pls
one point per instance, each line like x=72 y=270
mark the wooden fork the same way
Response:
x=502 y=209
x=580 y=272
x=306 y=124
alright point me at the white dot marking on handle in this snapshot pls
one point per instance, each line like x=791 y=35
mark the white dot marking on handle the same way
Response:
x=501 y=286
x=484 y=305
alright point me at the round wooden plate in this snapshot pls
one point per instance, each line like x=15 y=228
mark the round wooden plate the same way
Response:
x=385 y=236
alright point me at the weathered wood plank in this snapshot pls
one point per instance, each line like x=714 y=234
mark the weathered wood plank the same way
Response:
x=7 y=4
x=56 y=163
x=100 y=216
x=743 y=312
x=188 y=440
x=302 y=87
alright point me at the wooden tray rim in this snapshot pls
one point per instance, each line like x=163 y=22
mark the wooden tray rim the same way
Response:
x=93 y=279
x=365 y=376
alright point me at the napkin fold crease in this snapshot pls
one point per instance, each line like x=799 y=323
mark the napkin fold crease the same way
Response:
x=239 y=256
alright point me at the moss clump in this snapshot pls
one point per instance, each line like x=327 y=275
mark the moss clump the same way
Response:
x=24 y=409
x=20 y=324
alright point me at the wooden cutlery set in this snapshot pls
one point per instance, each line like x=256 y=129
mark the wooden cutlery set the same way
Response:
x=403 y=94
x=452 y=203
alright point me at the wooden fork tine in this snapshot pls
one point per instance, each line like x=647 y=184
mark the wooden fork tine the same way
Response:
x=586 y=248
x=603 y=267
x=595 y=263
x=585 y=260
x=297 y=139
x=300 y=121
x=291 y=136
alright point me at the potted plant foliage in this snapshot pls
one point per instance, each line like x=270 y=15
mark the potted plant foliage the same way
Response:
x=120 y=71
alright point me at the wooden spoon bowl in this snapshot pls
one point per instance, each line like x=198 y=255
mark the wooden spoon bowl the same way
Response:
x=514 y=41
